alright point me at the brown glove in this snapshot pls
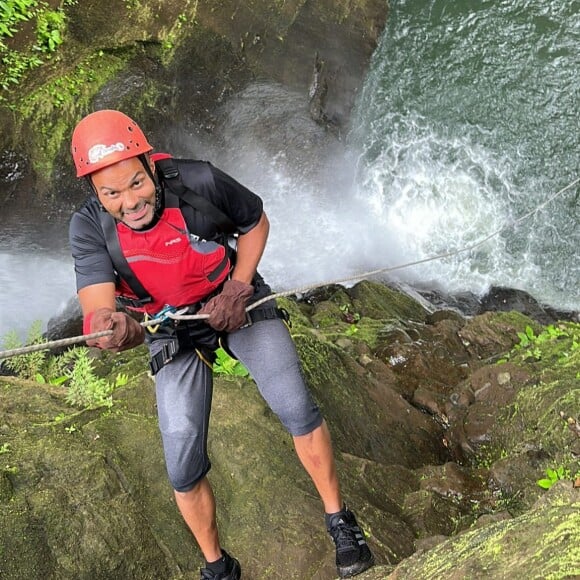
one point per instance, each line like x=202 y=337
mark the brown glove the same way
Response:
x=127 y=332
x=227 y=310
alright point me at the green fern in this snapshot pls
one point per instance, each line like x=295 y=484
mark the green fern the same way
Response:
x=84 y=387
x=29 y=365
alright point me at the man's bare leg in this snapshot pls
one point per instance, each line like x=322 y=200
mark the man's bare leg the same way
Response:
x=197 y=507
x=315 y=452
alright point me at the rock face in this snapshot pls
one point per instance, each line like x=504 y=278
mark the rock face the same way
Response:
x=439 y=446
x=178 y=62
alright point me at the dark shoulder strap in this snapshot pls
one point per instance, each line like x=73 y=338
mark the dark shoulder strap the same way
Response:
x=120 y=262
x=168 y=170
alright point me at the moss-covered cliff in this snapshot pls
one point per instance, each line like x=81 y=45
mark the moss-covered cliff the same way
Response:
x=439 y=444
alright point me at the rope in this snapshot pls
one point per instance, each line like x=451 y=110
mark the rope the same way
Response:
x=180 y=316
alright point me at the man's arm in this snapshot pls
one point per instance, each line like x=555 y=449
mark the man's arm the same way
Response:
x=250 y=248
x=97 y=296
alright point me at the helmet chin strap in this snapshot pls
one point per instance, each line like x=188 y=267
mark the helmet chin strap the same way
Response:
x=89 y=180
x=158 y=188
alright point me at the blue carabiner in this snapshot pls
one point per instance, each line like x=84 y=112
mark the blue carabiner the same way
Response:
x=161 y=317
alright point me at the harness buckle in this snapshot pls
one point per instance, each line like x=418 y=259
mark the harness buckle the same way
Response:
x=249 y=320
x=164 y=356
x=169 y=350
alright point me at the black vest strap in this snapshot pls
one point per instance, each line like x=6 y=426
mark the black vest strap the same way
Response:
x=120 y=263
x=172 y=178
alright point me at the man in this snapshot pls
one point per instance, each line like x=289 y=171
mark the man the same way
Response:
x=152 y=236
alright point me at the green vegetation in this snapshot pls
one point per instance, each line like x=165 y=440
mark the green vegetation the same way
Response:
x=540 y=416
x=532 y=344
x=554 y=475
x=30 y=365
x=84 y=387
x=49 y=29
x=226 y=365
x=74 y=370
x=50 y=25
x=12 y=13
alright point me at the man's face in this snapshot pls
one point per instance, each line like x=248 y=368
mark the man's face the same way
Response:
x=127 y=192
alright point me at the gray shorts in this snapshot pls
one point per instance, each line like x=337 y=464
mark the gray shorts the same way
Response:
x=184 y=391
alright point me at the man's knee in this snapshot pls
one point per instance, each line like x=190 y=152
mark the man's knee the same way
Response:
x=185 y=466
x=186 y=479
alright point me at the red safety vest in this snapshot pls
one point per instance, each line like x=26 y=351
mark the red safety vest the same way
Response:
x=177 y=269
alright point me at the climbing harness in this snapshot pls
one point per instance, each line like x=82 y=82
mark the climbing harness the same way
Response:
x=177 y=316
x=185 y=334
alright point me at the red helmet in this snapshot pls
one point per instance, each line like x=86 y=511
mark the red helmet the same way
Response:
x=104 y=138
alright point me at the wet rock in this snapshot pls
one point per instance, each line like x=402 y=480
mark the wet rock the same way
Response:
x=382 y=302
x=509 y=299
x=431 y=514
x=562 y=492
x=440 y=315
x=518 y=474
x=426 y=544
x=487 y=519
x=399 y=335
x=497 y=384
x=427 y=361
x=432 y=402
x=452 y=481
x=478 y=423
x=318 y=91
x=14 y=175
x=462 y=397
x=491 y=333
x=513 y=548
x=406 y=474
x=462 y=303
x=66 y=324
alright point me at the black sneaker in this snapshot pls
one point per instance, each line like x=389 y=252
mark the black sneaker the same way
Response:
x=233 y=570
x=353 y=555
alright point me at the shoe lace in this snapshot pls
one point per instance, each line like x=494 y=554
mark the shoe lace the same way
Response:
x=344 y=537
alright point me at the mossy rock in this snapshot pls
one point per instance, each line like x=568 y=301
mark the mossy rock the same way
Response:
x=381 y=302
x=543 y=541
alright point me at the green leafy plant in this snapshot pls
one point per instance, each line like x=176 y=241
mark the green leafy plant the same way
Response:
x=351 y=330
x=4 y=448
x=526 y=338
x=60 y=417
x=530 y=342
x=552 y=476
x=84 y=387
x=12 y=13
x=74 y=370
x=226 y=365
x=49 y=28
x=29 y=365
x=121 y=380
x=51 y=381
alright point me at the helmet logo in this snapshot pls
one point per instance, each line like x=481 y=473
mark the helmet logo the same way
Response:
x=98 y=152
